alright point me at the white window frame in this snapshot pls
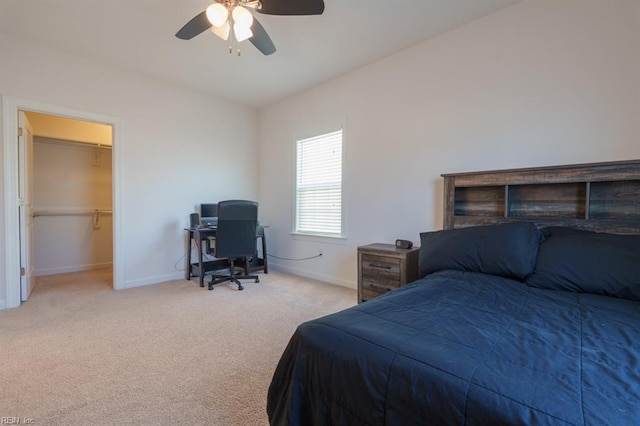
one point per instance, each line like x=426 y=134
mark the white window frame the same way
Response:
x=295 y=230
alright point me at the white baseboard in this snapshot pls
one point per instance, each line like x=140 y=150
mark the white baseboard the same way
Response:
x=72 y=268
x=3 y=304
x=319 y=277
x=153 y=280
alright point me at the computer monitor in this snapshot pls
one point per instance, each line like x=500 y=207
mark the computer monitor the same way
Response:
x=209 y=214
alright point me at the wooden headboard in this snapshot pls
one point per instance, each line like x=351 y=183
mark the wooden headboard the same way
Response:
x=603 y=197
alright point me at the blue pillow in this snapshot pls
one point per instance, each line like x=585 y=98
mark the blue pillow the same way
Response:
x=588 y=262
x=508 y=250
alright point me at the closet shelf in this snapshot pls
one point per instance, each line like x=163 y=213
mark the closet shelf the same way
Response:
x=38 y=213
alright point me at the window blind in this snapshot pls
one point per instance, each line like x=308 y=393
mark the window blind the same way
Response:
x=319 y=185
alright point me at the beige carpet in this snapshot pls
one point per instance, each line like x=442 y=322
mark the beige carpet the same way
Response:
x=80 y=353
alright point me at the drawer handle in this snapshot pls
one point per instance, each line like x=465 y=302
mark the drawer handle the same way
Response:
x=377 y=287
x=379 y=265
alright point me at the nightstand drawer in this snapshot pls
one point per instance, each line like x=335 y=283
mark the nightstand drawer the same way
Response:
x=372 y=289
x=380 y=271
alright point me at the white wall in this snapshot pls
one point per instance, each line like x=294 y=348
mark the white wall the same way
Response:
x=68 y=179
x=544 y=82
x=178 y=148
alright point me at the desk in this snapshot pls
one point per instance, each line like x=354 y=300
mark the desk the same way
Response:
x=200 y=268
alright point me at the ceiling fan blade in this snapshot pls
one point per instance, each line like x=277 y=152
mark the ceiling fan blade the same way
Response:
x=290 y=7
x=261 y=39
x=197 y=25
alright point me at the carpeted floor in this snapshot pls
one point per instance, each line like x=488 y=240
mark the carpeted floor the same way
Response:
x=80 y=353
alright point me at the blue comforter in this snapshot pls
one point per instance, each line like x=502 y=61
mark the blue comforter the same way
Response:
x=464 y=348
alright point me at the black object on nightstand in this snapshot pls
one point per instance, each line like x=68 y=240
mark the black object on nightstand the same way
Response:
x=383 y=267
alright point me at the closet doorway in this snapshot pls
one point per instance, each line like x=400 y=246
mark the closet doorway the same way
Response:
x=13 y=214
x=71 y=185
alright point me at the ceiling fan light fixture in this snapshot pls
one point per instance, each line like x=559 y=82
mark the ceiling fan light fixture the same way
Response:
x=217 y=14
x=242 y=17
x=222 y=14
x=222 y=31
x=242 y=33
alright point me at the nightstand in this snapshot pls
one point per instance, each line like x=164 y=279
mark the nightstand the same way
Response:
x=383 y=267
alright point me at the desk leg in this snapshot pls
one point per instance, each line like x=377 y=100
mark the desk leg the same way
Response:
x=264 y=253
x=187 y=263
x=200 y=265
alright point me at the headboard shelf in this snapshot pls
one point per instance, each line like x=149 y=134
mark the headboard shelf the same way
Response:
x=566 y=200
x=480 y=201
x=602 y=197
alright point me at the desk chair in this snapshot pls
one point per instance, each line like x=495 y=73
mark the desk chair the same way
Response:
x=235 y=238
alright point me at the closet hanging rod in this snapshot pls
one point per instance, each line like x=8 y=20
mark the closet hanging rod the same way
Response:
x=71 y=213
x=44 y=139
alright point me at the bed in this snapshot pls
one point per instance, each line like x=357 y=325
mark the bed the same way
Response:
x=527 y=312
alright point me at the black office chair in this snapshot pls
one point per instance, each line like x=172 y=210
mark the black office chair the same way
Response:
x=235 y=238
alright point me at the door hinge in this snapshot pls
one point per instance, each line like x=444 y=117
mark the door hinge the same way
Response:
x=20 y=131
x=23 y=272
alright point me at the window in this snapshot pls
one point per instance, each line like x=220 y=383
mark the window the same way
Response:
x=319 y=185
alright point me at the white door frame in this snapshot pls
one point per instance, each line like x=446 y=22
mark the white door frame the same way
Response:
x=10 y=107
x=25 y=192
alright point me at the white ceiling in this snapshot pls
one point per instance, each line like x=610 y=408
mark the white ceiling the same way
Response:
x=138 y=36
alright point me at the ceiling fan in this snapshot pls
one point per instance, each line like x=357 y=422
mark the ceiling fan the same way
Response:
x=223 y=15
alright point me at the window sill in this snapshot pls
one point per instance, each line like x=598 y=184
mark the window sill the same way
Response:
x=318 y=237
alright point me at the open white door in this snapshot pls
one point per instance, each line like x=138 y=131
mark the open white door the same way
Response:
x=25 y=193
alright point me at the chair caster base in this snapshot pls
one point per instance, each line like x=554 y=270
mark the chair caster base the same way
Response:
x=233 y=279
